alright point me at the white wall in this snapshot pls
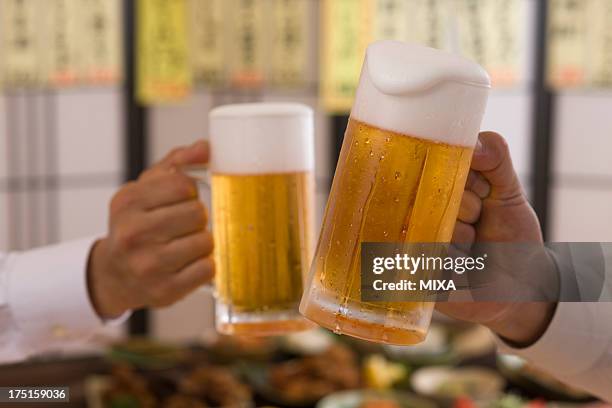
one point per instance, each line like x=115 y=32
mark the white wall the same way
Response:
x=582 y=167
x=61 y=159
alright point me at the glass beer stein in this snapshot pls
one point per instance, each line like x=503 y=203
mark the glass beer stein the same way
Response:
x=261 y=176
x=400 y=178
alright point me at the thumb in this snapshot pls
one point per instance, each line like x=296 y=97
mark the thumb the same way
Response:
x=197 y=153
x=492 y=159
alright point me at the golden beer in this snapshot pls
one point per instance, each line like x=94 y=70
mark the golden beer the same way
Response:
x=262 y=161
x=388 y=187
x=400 y=178
x=263 y=227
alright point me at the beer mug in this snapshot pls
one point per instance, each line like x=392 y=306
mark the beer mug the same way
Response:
x=400 y=177
x=261 y=177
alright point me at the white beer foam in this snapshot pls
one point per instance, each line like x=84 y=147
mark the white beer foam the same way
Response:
x=421 y=92
x=258 y=138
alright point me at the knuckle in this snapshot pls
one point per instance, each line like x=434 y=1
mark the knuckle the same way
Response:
x=185 y=186
x=143 y=266
x=126 y=239
x=208 y=243
x=172 y=155
x=180 y=185
x=197 y=212
x=201 y=244
x=207 y=270
x=149 y=173
x=210 y=270
x=124 y=198
x=503 y=144
x=159 y=297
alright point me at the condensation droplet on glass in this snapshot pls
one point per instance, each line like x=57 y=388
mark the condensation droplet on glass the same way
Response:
x=385 y=234
x=371 y=153
x=367 y=141
x=398 y=175
x=396 y=199
x=388 y=139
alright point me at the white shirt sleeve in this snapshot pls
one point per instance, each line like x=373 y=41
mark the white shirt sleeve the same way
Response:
x=44 y=299
x=577 y=345
x=576 y=348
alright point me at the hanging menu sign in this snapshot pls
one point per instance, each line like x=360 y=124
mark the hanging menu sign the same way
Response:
x=489 y=33
x=20 y=36
x=207 y=29
x=290 y=42
x=599 y=40
x=346 y=33
x=164 y=69
x=391 y=20
x=247 y=47
x=64 y=54
x=101 y=46
x=567 y=40
x=427 y=22
x=502 y=45
x=472 y=28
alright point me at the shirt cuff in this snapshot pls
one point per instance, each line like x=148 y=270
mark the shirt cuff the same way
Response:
x=576 y=338
x=48 y=294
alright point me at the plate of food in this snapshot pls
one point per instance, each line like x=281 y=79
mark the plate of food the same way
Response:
x=309 y=342
x=434 y=350
x=228 y=349
x=447 y=384
x=522 y=373
x=206 y=385
x=375 y=399
x=148 y=354
x=302 y=381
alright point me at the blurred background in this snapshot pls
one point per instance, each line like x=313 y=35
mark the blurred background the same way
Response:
x=93 y=91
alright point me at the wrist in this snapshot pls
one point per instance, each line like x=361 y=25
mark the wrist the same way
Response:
x=103 y=293
x=524 y=323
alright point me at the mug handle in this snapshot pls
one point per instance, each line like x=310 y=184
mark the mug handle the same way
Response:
x=201 y=175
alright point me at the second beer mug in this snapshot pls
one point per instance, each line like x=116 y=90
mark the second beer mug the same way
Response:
x=400 y=178
x=262 y=160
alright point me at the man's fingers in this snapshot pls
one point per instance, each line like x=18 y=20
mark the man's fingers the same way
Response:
x=195 y=154
x=492 y=160
x=478 y=184
x=183 y=251
x=168 y=290
x=196 y=274
x=471 y=204
x=464 y=234
x=178 y=220
x=166 y=189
